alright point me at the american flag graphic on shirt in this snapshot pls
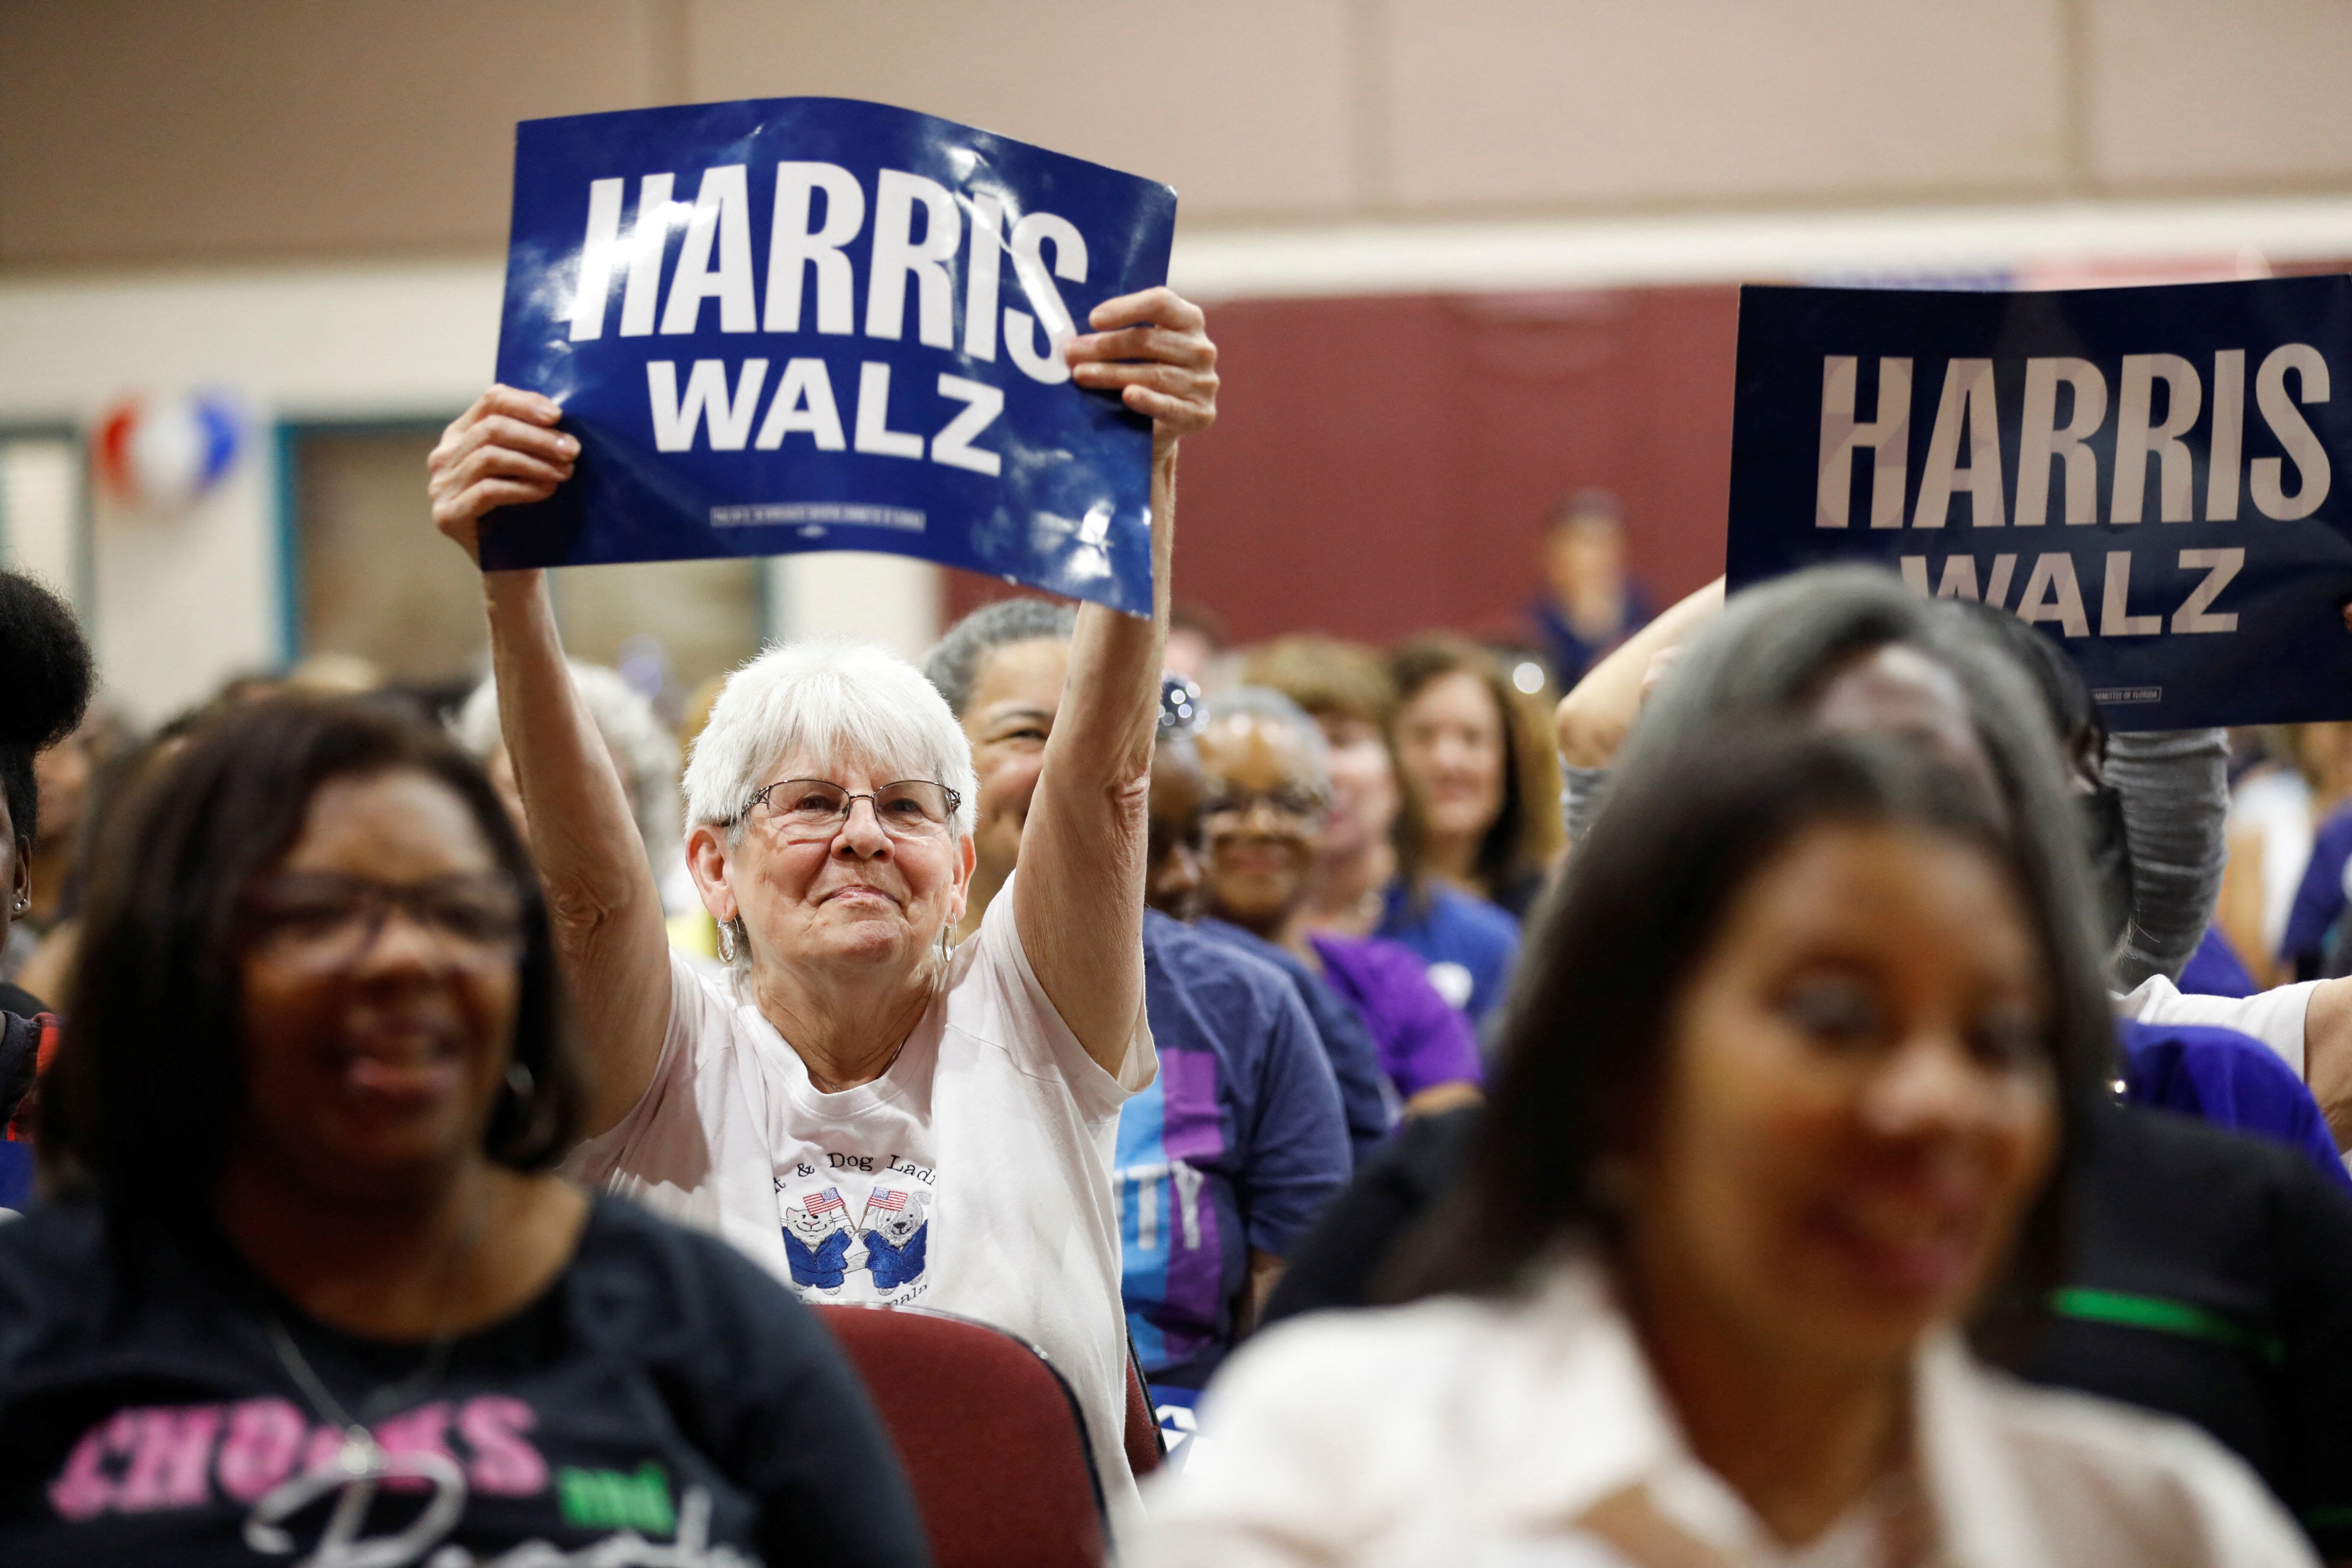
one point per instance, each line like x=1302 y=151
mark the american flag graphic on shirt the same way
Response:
x=827 y=1202
x=889 y=1200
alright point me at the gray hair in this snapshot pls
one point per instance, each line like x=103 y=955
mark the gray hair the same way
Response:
x=641 y=744
x=954 y=663
x=829 y=698
x=1264 y=703
x=1776 y=645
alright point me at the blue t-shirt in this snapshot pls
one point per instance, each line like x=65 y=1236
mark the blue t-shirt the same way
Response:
x=1238 y=1143
x=2215 y=970
x=1467 y=943
x=1371 y=1106
x=2319 y=897
x=2228 y=1078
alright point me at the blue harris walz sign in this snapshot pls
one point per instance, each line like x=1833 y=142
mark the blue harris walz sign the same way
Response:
x=815 y=323
x=2150 y=476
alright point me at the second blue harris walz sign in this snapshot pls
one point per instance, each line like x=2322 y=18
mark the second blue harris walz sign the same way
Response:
x=2154 y=477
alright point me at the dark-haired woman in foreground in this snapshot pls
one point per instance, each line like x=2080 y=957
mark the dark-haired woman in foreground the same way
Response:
x=317 y=1296
x=1802 y=1053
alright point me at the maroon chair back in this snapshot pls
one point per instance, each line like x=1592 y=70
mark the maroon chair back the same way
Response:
x=991 y=1438
x=1142 y=1433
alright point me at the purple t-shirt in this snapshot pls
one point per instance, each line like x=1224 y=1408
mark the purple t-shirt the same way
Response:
x=2229 y=1079
x=1423 y=1042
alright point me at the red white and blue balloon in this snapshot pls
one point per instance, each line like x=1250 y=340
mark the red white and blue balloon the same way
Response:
x=163 y=452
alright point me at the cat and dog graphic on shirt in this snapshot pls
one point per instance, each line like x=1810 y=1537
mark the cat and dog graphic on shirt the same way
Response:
x=888 y=1243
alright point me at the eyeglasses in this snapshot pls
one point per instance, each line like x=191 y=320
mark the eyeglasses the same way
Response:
x=1287 y=806
x=802 y=810
x=322 y=919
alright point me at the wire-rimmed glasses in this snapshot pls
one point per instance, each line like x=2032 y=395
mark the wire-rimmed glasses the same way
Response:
x=803 y=810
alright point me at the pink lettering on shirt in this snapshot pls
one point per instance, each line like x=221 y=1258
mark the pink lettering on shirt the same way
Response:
x=265 y=1438
x=320 y=1453
x=83 y=1489
x=173 y=1456
x=420 y=1431
x=504 y=1464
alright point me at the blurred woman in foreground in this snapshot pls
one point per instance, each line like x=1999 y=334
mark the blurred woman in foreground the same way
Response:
x=318 y=1292
x=1803 y=1050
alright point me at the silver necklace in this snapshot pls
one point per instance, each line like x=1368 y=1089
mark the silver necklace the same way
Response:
x=362 y=1457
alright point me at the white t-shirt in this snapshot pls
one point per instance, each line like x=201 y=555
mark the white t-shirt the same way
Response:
x=2277 y=802
x=973 y=1177
x=2273 y=1017
x=1530 y=1433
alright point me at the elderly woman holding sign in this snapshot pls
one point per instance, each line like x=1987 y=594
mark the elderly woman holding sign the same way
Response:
x=876 y=1115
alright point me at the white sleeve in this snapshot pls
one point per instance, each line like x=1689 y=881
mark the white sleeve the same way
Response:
x=2273 y=1017
x=1275 y=1477
x=642 y=1138
x=1010 y=1006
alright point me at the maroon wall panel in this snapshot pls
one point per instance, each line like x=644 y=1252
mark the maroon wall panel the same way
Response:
x=1381 y=466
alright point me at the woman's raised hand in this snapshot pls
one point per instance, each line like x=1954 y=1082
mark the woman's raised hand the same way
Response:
x=1154 y=349
x=503 y=451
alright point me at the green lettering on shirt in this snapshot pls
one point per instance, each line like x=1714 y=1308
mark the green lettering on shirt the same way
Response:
x=615 y=1499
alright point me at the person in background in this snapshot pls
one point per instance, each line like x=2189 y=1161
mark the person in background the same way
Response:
x=691 y=930
x=70 y=774
x=1001 y=671
x=1268 y=794
x=871 y=1111
x=2218 y=1074
x=1484 y=780
x=2320 y=901
x=1231 y=1153
x=1358 y=887
x=643 y=750
x=1590 y=602
x=1196 y=643
x=2275 y=811
x=45 y=678
x=310 y=1286
x=1785 y=1114
x=1176 y=884
x=78 y=777
x=1235 y=1148
x=2172 y=784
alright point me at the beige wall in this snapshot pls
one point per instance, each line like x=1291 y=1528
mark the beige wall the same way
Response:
x=136 y=131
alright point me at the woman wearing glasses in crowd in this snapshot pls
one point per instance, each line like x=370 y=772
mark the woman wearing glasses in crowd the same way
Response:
x=876 y=1115
x=1268 y=795
x=311 y=1290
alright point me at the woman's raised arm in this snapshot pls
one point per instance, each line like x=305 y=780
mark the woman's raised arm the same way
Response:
x=1079 y=896
x=1593 y=719
x=600 y=888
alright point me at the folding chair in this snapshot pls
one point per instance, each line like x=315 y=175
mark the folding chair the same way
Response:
x=991 y=1438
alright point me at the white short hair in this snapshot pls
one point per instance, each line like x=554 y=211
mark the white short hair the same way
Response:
x=832 y=699
x=640 y=742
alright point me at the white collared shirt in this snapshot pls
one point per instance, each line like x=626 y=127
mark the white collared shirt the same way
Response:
x=1489 y=1434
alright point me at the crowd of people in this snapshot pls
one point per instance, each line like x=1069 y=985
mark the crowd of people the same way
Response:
x=1780 y=1085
